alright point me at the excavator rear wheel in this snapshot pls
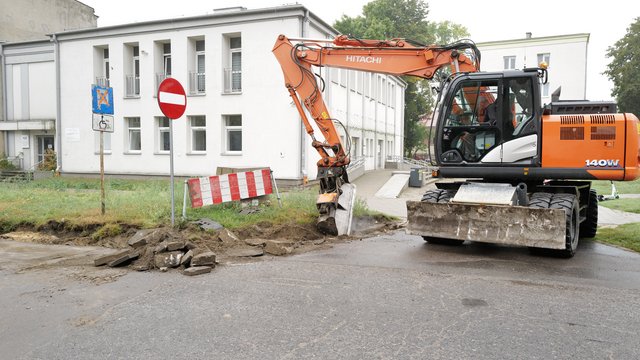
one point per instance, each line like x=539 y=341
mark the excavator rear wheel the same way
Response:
x=589 y=226
x=440 y=196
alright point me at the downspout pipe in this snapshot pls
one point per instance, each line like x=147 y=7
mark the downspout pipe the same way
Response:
x=58 y=141
x=5 y=112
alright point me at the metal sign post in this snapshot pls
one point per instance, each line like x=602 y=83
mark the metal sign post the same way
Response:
x=102 y=103
x=172 y=100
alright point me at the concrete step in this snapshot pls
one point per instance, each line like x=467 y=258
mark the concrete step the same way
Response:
x=394 y=186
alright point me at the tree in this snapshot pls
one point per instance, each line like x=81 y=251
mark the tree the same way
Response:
x=624 y=69
x=387 y=19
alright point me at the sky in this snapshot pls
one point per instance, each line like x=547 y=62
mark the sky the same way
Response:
x=488 y=20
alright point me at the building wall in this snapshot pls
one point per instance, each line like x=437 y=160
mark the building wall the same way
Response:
x=271 y=129
x=567 y=65
x=29 y=82
x=33 y=20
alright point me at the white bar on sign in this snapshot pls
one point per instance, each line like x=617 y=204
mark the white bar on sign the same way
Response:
x=171 y=98
x=242 y=185
x=259 y=182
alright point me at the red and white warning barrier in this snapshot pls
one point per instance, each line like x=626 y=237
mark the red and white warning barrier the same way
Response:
x=229 y=187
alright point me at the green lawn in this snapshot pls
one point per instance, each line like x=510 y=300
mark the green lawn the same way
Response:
x=627 y=236
x=623 y=187
x=143 y=203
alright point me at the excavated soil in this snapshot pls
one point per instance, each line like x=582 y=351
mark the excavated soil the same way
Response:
x=229 y=246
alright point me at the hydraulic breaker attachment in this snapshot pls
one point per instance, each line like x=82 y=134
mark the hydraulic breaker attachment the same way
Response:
x=336 y=211
x=498 y=224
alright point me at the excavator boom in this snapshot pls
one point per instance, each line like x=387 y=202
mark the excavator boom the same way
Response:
x=393 y=57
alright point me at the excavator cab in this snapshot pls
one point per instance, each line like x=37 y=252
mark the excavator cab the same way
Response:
x=481 y=114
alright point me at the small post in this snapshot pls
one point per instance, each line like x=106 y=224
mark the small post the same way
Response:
x=184 y=201
x=173 y=200
x=102 y=196
x=275 y=186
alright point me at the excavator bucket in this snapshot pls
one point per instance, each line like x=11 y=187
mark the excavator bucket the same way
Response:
x=337 y=220
x=498 y=224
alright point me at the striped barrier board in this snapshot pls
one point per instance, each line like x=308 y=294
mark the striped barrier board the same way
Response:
x=229 y=187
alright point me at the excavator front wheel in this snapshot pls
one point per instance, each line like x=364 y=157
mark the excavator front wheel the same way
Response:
x=440 y=196
x=568 y=203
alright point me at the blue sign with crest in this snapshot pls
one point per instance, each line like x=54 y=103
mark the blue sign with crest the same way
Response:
x=102 y=99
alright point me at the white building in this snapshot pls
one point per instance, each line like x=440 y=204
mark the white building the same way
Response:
x=566 y=56
x=239 y=113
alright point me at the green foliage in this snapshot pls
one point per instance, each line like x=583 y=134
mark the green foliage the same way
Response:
x=624 y=235
x=624 y=69
x=49 y=162
x=386 y=19
x=108 y=230
x=5 y=164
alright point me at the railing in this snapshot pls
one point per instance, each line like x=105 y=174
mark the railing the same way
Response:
x=412 y=162
x=159 y=78
x=196 y=83
x=132 y=86
x=232 y=81
x=102 y=81
x=356 y=161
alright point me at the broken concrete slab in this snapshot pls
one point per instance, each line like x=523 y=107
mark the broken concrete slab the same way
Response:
x=227 y=237
x=168 y=259
x=249 y=252
x=175 y=245
x=186 y=258
x=279 y=247
x=206 y=258
x=255 y=242
x=189 y=245
x=124 y=259
x=162 y=247
x=197 y=270
x=208 y=224
x=104 y=260
x=139 y=239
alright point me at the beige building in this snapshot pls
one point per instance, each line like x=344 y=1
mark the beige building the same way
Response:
x=34 y=20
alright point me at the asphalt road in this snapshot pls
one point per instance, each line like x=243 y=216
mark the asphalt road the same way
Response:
x=389 y=297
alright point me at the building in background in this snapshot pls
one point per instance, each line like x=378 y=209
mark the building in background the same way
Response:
x=566 y=56
x=27 y=73
x=239 y=113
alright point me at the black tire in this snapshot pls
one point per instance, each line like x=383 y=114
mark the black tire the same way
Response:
x=440 y=196
x=568 y=203
x=540 y=200
x=589 y=226
x=437 y=196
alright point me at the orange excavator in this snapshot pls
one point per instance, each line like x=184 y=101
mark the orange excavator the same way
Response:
x=527 y=167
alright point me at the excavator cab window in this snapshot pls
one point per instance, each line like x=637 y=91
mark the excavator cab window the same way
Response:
x=471 y=126
x=520 y=103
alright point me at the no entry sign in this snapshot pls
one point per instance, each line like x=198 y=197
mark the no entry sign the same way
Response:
x=172 y=98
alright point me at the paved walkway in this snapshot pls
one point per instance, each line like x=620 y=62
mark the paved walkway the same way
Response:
x=369 y=183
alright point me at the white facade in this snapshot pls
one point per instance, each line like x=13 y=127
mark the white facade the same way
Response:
x=30 y=101
x=239 y=113
x=566 y=56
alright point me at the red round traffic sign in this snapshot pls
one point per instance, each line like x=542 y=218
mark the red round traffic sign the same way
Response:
x=172 y=98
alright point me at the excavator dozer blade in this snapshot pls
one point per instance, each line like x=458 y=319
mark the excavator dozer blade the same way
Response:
x=497 y=224
x=338 y=220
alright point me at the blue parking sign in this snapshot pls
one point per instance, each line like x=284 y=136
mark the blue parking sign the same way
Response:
x=102 y=99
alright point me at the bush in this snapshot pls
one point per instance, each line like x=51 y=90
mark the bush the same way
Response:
x=49 y=162
x=5 y=164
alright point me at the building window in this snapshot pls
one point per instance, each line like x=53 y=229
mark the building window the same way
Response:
x=102 y=73
x=233 y=72
x=509 y=62
x=393 y=96
x=358 y=86
x=133 y=131
x=233 y=133
x=163 y=65
x=132 y=67
x=164 y=134
x=198 y=125
x=544 y=58
x=197 y=77
x=367 y=84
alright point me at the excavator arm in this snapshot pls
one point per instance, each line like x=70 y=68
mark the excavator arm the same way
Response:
x=392 y=57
